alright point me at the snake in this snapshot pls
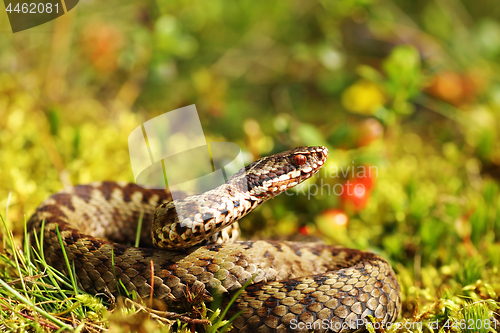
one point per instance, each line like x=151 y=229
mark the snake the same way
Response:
x=190 y=253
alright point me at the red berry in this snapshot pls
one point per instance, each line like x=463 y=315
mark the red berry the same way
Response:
x=335 y=217
x=355 y=195
x=369 y=177
x=305 y=230
x=368 y=131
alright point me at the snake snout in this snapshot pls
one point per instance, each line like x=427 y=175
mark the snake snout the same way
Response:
x=321 y=154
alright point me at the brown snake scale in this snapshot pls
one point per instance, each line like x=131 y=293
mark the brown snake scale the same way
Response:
x=330 y=288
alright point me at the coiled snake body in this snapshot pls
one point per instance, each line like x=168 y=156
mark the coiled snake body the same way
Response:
x=296 y=286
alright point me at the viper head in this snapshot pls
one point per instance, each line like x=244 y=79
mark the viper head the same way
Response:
x=274 y=174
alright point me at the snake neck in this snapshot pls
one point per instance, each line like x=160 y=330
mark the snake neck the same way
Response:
x=184 y=223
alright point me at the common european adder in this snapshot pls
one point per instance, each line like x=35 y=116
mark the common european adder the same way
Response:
x=296 y=286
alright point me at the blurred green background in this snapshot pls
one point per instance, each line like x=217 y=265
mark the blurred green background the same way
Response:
x=409 y=88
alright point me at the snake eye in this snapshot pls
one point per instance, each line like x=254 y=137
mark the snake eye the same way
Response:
x=299 y=159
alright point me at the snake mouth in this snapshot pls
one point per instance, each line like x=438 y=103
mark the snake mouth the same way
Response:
x=306 y=174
